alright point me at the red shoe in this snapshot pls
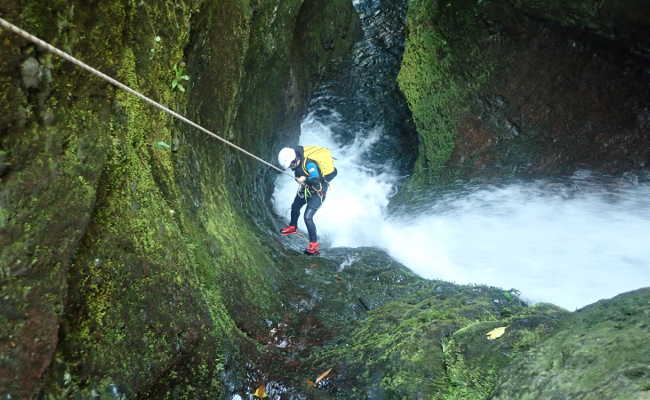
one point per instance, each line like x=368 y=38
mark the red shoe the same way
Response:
x=313 y=249
x=288 y=230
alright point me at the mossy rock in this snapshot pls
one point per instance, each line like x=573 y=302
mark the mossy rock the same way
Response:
x=394 y=349
x=126 y=265
x=503 y=89
x=599 y=352
x=475 y=360
x=624 y=21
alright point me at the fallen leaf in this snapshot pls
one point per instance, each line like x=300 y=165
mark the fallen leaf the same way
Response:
x=323 y=375
x=261 y=391
x=310 y=383
x=496 y=333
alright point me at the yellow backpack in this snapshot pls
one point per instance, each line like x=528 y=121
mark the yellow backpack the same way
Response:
x=322 y=157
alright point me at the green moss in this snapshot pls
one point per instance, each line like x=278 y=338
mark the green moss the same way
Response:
x=148 y=251
x=464 y=382
x=399 y=349
x=597 y=352
x=443 y=66
x=474 y=363
x=134 y=269
x=4 y=215
x=133 y=253
x=434 y=98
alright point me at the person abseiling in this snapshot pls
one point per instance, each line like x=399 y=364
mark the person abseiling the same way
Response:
x=313 y=167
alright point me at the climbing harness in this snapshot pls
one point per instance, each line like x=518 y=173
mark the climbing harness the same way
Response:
x=320 y=192
x=39 y=42
x=306 y=191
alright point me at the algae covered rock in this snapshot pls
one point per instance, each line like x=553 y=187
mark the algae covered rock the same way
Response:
x=126 y=267
x=626 y=21
x=392 y=345
x=380 y=330
x=386 y=333
x=31 y=73
x=476 y=355
x=131 y=270
x=526 y=88
x=397 y=352
x=599 y=352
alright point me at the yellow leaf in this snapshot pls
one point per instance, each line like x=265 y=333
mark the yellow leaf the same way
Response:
x=310 y=383
x=496 y=333
x=261 y=391
x=323 y=375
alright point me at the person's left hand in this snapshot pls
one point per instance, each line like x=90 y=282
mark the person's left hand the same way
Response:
x=301 y=179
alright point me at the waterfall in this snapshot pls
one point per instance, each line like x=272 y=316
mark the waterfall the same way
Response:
x=568 y=241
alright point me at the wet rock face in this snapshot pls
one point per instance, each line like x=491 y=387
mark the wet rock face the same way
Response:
x=383 y=332
x=625 y=21
x=387 y=333
x=557 y=100
x=127 y=269
x=31 y=73
x=527 y=88
x=600 y=352
x=364 y=95
x=127 y=265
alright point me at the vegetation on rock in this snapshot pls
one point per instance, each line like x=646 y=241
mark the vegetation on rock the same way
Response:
x=123 y=263
x=526 y=89
x=135 y=258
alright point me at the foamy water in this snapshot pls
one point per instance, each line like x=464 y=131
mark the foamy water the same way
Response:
x=569 y=243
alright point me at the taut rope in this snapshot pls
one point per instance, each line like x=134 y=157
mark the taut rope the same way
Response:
x=68 y=57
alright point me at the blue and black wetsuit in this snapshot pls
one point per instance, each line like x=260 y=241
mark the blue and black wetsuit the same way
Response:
x=311 y=193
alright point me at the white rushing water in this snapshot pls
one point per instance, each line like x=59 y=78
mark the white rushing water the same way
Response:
x=569 y=243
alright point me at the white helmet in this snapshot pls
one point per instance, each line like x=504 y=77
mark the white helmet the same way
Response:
x=286 y=156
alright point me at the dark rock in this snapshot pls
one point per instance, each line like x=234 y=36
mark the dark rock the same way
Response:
x=356 y=102
x=599 y=352
x=396 y=348
x=4 y=162
x=559 y=89
x=31 y=73
x=475 y=363
x=47 y=117
x=198 y=303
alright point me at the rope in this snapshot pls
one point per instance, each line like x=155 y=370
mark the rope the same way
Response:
x=68 y=57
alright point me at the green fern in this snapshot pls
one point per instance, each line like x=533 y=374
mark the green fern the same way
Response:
x=179 y=76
